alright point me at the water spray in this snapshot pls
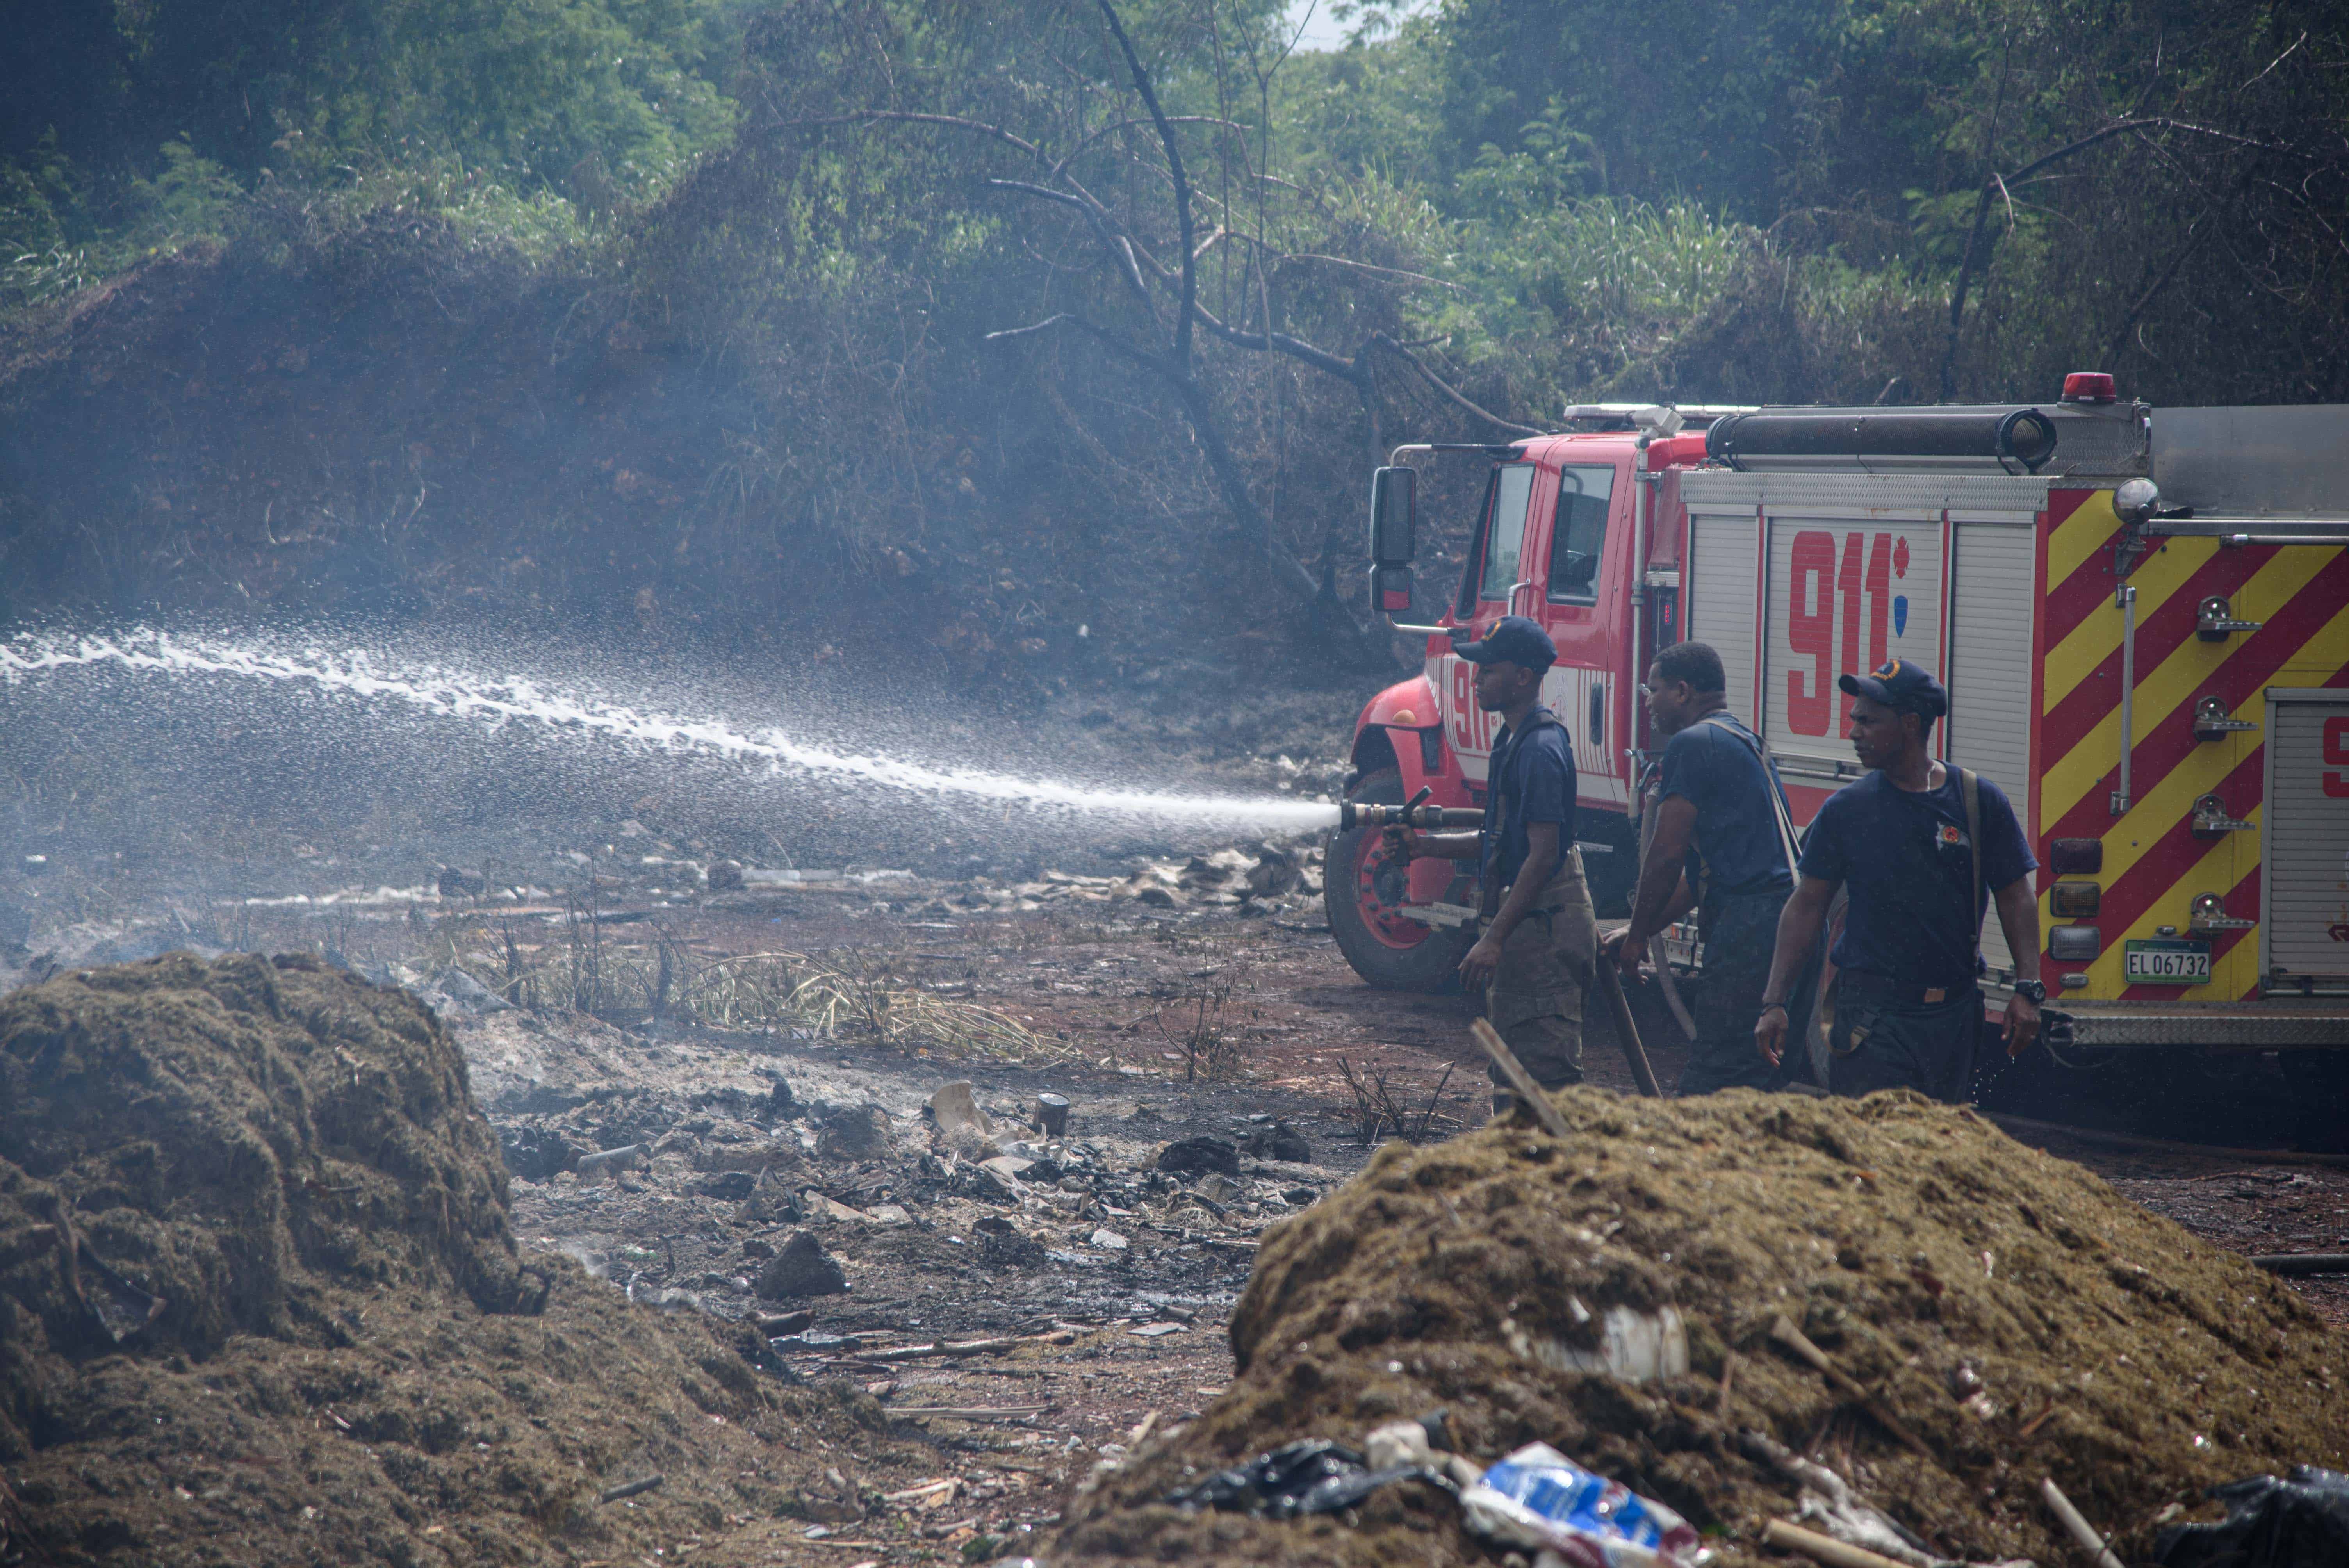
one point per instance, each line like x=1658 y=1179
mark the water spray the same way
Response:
x=495 y=701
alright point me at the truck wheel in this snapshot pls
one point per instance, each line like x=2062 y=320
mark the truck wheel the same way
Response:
x=1363 y=887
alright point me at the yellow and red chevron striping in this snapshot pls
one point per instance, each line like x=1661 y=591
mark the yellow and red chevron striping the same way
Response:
x=2153 y=863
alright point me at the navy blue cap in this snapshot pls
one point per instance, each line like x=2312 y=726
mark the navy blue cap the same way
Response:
x=1901 y=686
x=1513 y=638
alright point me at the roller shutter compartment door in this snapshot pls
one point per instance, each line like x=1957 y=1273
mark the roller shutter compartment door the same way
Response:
x=2304 y=821
x=1718 y=589
x=1989 y=677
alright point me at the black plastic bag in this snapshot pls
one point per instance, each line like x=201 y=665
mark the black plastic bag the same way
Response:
x=2300 y=1522
x=1312 y=1475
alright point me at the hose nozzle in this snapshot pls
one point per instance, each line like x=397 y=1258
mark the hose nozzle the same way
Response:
x=1413 y=813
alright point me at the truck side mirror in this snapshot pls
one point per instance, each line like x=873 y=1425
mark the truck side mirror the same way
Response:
x=1394 y=516
x=1391 y=590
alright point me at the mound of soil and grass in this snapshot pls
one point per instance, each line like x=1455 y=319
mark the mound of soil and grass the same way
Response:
x=2011 y=1311
x=259 y=1303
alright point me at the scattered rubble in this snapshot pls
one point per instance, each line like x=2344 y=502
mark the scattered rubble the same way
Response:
x=260 y=1303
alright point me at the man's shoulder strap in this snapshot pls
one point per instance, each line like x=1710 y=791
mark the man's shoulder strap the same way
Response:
x=1969 y=789
x=1728 y=724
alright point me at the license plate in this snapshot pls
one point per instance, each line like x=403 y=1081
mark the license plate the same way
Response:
x=2166 y=963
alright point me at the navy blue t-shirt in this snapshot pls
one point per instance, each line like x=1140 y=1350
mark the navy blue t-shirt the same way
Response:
x=1537 y=775
x=1905 y=859
x=1714 y=767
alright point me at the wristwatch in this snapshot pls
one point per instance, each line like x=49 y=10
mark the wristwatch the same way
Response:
x=2030 y=990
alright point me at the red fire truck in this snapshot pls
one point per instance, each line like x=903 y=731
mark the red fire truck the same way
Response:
x=2142 y=616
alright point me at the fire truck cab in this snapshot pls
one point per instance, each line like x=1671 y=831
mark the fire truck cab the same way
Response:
x=2142 y=616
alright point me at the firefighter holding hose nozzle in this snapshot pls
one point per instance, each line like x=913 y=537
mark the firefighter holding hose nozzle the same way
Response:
x=1534 y=956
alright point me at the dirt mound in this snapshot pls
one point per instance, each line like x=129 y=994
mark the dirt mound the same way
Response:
x=2010 y=1310
x=259 y=1302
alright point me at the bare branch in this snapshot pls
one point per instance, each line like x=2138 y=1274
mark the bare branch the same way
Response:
x=1280 y=342
x=1042 y=192
x=1120 y=252
x=955 y=121
x=1449 y=391
x=2280 y=59
x=1141 y=85
x=2156 y=122
x=1367 y=267
x=1091 y=136
x=1050 y=322
x=2193 y=234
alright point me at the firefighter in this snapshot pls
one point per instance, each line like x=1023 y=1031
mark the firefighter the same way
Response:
x=1922 y=848
x=1532 y=959
x=1720 y=826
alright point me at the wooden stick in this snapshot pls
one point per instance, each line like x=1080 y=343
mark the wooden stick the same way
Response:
x=1787 y=1334
x=1611 y=985
x=965 y=1347
x=1519 y=1080
x=970 y=1413
x=1824 y=1548
x=2082 y=1533
x=614 y=1494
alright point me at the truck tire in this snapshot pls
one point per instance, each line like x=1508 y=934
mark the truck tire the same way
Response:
x=1361 y=885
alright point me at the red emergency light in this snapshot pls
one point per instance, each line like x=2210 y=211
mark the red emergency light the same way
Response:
x=2088 y=387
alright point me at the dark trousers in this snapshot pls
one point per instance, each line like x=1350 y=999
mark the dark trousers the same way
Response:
x=1925 y=1046
x=1740 y=932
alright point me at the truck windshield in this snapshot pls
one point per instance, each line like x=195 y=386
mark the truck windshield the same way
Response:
x=1579 y=534
x=1505 y=530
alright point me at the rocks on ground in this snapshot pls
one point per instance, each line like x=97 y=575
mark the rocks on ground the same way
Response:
x=801 y=1268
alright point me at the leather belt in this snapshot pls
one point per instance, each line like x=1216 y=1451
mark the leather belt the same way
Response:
x=1860 y=986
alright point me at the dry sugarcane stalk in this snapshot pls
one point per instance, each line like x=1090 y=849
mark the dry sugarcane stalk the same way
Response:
x=1784 y=1331
x=2078 y=1528
x=1824 y=1548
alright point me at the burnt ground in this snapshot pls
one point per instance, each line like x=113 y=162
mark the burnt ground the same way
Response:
x=1188 y=1011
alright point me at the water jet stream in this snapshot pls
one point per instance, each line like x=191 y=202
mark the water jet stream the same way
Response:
x=500 y=700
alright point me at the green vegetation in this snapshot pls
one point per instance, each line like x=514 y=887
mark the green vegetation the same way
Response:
x=129 y=129
x=1593 y=183
x=949 y=231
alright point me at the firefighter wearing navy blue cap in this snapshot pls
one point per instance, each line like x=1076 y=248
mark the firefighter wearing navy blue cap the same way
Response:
x=1923 y=849
x=1533 y=958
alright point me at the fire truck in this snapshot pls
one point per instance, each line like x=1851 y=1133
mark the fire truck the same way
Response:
x=2141 y=615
